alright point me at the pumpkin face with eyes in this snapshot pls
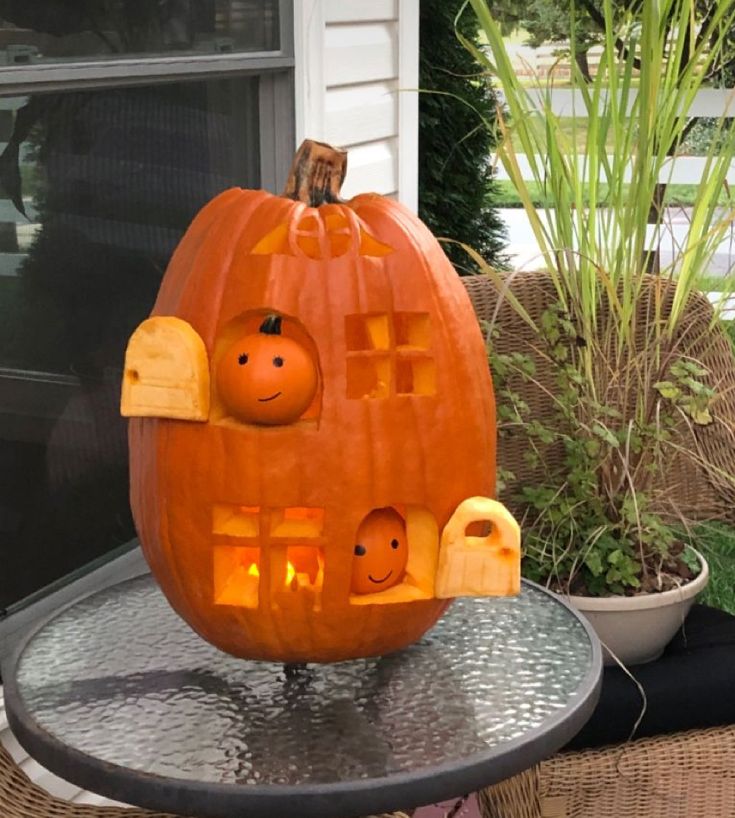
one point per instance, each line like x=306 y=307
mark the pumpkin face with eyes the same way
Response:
x=266 y=378
x=381 y=552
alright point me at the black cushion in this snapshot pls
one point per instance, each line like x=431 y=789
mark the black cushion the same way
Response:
x=691 y=686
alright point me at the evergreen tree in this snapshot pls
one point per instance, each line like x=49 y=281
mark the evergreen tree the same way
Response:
x=455 y=177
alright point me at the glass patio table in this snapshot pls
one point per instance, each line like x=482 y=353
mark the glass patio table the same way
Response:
x=116 y=694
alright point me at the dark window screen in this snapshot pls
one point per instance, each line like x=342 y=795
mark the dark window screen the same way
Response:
x=96 y=189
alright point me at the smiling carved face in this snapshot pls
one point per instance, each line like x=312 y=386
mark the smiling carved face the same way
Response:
x=380 y=556
x=265 y=377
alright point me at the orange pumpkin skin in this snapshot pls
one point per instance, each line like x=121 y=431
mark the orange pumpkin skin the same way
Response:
x=422 y=436
x=266 y=378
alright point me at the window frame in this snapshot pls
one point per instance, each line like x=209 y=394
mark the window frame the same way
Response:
x=277 y=128
x=275 y=70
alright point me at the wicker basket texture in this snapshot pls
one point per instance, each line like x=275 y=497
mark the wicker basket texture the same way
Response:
x=684 y=775
x=682 y=486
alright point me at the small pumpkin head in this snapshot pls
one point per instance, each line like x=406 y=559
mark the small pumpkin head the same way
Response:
x=381 y=552
x=265 y=377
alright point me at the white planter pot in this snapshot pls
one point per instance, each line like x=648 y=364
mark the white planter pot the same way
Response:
x=636 y=629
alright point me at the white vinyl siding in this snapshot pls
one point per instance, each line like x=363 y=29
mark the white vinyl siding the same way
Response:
x=372 y=167
x=368 y=110
x=357 y=74
x=364 y=52
x=353 y=11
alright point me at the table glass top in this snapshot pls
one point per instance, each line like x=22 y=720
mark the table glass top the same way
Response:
x=120 y=677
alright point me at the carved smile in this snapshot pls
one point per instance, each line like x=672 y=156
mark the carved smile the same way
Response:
x=378 y=581
x=272 y=397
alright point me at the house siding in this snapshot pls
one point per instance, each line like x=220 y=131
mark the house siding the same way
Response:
x=356 y=89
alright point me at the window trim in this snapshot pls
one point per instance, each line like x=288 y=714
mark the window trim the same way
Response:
x=118 y=73
x=138 y=70
x=277 y=129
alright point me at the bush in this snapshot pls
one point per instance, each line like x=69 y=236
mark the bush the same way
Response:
x=455 y=178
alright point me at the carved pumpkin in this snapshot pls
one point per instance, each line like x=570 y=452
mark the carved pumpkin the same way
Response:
x=250 y=520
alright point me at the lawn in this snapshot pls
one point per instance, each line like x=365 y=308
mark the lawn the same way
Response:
x=504 y=195
x=697 y=143
x=717 y=284
x=717 y=542
x=575 y=129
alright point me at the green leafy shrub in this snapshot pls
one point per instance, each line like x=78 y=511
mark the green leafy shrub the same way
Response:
x=456 y=105
x=593 y=521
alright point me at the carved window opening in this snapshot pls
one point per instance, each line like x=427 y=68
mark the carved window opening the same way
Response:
x=236 y=575
x=236 y=521
x=249 y=324
x=286 y=556
x=297 y=523
x=412 y=331
x=368 y=376
x=415 y=376
x=422 y=533
x=389 y=354
x=366 y=333
x=296 y=574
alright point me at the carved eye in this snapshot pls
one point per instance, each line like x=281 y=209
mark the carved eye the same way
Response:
x=360 y=550
x=243 y=359
x=394 y=543
x=278 y=361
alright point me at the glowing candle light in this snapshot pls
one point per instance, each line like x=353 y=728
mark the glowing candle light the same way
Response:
x=253 y=571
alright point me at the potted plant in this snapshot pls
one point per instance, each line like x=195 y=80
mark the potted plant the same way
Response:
x=626 y=383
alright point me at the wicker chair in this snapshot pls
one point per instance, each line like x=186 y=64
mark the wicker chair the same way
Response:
x=686 y=486
x=21 y=798
x=682 y=775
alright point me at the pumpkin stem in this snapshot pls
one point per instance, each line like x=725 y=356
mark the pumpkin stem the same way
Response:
x=317 y=173
x=271 y=325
